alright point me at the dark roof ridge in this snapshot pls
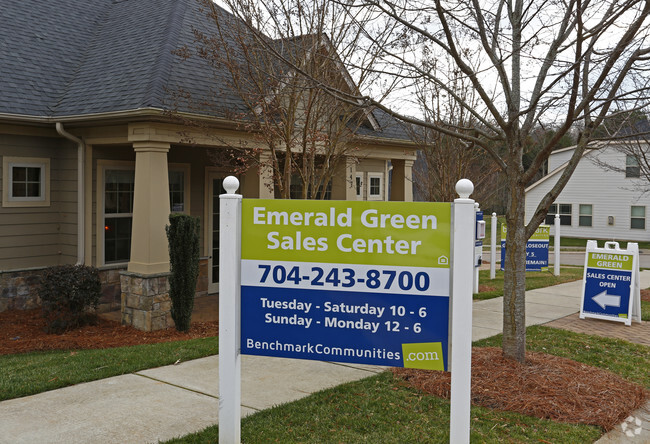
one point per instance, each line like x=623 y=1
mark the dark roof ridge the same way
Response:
x=164 y=62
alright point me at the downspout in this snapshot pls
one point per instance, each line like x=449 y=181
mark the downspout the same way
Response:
x=81 y=223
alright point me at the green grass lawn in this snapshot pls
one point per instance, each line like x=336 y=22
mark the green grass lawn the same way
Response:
x=380 y=409
x=564 y=241
x=31 y=373
x=575 y=242
x=534 y=279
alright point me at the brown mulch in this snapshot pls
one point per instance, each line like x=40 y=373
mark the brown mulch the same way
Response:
x=483 y=288
x=645 y=295
x=23 y=331
x=546 y=386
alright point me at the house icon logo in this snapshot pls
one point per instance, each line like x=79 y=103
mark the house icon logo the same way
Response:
x=443 y=260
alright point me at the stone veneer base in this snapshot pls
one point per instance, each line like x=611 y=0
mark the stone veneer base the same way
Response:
x=19 y=291
x=146 y=304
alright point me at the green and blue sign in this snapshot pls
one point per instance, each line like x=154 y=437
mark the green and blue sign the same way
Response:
x=536 y=248
x=357 y=282
x=608 y=284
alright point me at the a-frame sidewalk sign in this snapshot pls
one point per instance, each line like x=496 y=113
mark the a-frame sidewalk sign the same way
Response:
x=611 y=287
x=382 y=283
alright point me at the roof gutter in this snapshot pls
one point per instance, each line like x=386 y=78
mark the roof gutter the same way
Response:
x=127 y=115
x=81 y=219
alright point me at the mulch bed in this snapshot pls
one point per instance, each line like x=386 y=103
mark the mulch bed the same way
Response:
x=545 y=386
x=23 y=331
x=645 y=295
x=484 y=287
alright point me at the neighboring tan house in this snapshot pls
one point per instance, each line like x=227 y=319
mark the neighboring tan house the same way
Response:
x=92 y=164
x=604 y=198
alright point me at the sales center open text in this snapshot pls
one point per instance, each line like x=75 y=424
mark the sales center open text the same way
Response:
x=369 y=218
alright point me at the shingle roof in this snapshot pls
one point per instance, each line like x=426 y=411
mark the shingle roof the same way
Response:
x=40 y=49
x=81 y=57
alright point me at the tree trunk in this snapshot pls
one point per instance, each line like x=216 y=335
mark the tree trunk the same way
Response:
x=514 y=285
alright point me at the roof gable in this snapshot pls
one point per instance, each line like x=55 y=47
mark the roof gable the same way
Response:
x=69 y=58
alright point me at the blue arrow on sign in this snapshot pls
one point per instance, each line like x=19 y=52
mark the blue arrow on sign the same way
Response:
x=603 y=299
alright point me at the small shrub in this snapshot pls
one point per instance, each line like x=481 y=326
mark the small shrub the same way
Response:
x=67 y=293
x=184 y=245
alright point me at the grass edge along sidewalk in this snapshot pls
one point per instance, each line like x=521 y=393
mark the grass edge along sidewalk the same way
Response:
x=37 y=372
x=380 y=409
x=493 y=288
x=32 y=373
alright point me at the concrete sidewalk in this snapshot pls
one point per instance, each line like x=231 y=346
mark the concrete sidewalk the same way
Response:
x=166 y=402
x=542 y=305
x=162 y=403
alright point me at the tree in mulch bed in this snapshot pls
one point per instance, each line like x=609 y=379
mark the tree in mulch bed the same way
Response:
x=68 y=294
x=546 y=386
x=183 y=237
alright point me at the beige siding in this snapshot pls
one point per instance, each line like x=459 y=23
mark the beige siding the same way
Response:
x=371 y=165
x=41 y=236
x=28 y=240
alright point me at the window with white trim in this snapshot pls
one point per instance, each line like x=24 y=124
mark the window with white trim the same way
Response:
x=375 y=186
x=179 y=188
x=632 y=168
x=585 y=217
x=637 y=217
x=26 y=182
x=564 y=210
x=118 y=214
x=118 y=207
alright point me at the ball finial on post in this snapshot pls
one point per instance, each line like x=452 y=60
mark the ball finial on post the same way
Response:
x=230 y=184
x=464 y=188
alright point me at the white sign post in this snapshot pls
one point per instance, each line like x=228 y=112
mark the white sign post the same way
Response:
x=461 y=313
x=556 y=246
x=317 y=233
x=229 y=313
x=493 y=247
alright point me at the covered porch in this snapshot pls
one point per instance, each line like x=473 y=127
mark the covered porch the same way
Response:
x=137 y=182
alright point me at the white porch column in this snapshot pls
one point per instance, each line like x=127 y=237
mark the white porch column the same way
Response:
x=402 y=180
x=149 y=250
